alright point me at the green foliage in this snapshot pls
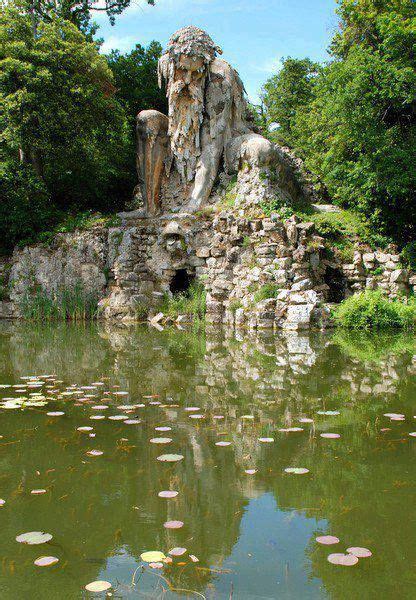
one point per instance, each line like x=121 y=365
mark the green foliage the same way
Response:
x=78 y=13
x=268 y=290
x=66 y=304
x=373 y=310
x=286 y=93
x=408 y=255
x=356 y=126
x=191 y=303
x=65 y=134
x=234 y=305
x=278 y=204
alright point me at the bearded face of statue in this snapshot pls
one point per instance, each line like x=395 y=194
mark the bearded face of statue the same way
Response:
x=185 y=68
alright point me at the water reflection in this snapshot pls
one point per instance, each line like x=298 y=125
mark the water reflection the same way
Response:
x=253 y=534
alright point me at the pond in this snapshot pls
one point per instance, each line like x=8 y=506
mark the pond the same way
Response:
x=237 y=411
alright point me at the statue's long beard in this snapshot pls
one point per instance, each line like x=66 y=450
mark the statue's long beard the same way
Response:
x=186 y=107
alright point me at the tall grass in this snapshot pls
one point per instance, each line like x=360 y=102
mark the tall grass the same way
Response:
x=373 y=310
x=191 y=303
x=64 y=304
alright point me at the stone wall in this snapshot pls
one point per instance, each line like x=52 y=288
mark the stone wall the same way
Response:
x=258 y=272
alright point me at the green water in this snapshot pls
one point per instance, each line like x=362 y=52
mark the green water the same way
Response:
x=254 y=535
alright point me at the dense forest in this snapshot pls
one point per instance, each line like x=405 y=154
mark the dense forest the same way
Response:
x=68 y=114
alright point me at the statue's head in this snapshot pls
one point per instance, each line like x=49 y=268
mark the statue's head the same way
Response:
x=191 y=49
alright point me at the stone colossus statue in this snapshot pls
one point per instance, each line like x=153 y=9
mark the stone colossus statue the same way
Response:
x=206 y=124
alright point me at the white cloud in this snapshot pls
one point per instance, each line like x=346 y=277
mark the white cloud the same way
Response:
x=114 y=42
x=269 y=66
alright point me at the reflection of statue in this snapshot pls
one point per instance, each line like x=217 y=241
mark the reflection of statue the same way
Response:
x=206 y=122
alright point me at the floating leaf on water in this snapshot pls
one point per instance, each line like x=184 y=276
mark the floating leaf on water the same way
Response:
x=192 y=408
x=55 y=413
x=38 y=492
x=177 y=551
x=163 y=428
x=290 y=429
x=170 y=457
x=173 y=524
x=394 y=415
x=160 y=440
x=98 y=586
x=223 y=443
x=33 y=537
x=359 y=552
x=99 y=407
x=168 y=494
x=327 y=540
x=156 y=565
x=152 y=556
x=85 y=428
x=197 y=416
x=117 y=417
x=413 y=433
x=94 y=452
x=347 y=560
x=217 y=417
x=2 y=502
x=250 y=471
x=296 y=470
x=46 y=561
x=330 y=436
x=132 y=421
x=193 y=558
x=247 y=417
x=97 y=417
x=328 y=413
x=266 y=440
x=305 y=420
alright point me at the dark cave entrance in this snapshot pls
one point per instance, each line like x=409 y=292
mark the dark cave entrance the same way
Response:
x=181 y=282
x=336 y=281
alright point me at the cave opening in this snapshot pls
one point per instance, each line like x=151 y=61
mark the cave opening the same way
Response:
x=335 y=279
x=181 y=282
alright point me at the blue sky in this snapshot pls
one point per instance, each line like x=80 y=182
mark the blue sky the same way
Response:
x=254 y=34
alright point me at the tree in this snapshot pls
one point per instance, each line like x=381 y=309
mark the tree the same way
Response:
x=286 y=93
x=61 y=120
x=354 y=123
x=135 y=78
x=77 y=12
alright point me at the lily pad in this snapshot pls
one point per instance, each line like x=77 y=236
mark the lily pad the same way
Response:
x=177 y=551
x=98 y=586
x=223 y=443
x=160 y=440
x=266 y=440
x=330 y=436
x=170 y=457
x=250 y=471
x=163 y=428
x=152 y=556
x=328 y=413
x=173 y=524
x=33 y=537
x=296 y=470
x=38 y=492
x=46 y=561
x=346 y=560
x=86 y=429
x=94 y=452
x=132 y=421
x=327 y=540
x=359 y=552
x=55 y=413
x=168 y=494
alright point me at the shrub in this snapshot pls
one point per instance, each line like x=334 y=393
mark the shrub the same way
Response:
x=191 y=303
x=408 y=255
x=268 y=290
x=373 y=310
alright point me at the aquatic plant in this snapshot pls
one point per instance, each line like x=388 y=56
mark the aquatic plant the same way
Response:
x=373 y=310
x=191 y=303
x=64 y=304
